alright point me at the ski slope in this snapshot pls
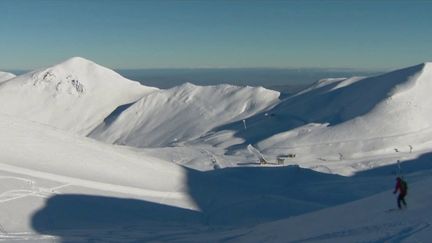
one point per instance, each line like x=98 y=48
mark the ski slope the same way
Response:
x=61 y=161
x=372 y=219
x=58 y=187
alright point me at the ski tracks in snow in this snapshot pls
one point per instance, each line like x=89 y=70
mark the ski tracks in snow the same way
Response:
x=150 y=195
x=37 y=191
x=27 y=237
x=389 y=232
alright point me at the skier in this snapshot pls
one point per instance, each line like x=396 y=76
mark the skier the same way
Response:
x=402 y=187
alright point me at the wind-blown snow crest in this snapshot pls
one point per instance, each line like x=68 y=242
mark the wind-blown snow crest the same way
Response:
x=75 y=95
x=183 y=113
x=4 y=76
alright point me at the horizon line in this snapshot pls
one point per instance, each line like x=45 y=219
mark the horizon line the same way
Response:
x=226 y=68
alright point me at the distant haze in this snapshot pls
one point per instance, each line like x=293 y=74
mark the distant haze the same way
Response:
x=280 y=79
x=272 y=78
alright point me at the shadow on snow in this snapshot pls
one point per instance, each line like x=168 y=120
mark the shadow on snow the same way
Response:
x=230 y=198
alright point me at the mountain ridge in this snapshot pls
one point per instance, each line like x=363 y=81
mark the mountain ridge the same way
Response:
x=184 y=113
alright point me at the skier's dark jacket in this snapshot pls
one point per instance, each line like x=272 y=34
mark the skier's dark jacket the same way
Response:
x=401 y=186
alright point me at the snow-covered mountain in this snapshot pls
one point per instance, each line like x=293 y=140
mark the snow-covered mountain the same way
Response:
x=343 y=118
x=6 y=76
x=183 y=113
x=377 y=114
x=75 y=95
x=83 y=97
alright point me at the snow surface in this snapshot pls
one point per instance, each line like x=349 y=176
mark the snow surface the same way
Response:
x=338 y=143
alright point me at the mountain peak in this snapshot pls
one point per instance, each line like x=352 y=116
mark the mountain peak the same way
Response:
x=77 y=60
x=77 y=64
x=74 y=95
x=77 y=75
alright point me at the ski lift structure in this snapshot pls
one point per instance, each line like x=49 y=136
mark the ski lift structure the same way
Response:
x=281 y=158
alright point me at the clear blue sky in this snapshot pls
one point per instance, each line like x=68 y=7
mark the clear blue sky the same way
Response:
x=154 y=34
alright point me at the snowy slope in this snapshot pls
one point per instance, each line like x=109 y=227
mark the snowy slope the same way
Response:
x=75 y=95
x=367 y=220
x=370 y=219
x=340 y=119
x=183 y=113
x=6 y=76
x=38 y=162
x=380 y=114
x=231 y=202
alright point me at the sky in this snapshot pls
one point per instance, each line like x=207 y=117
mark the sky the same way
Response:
x=134 y=34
